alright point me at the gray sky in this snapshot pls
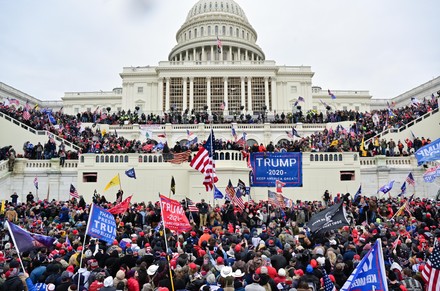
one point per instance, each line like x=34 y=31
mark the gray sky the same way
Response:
x=49 y=47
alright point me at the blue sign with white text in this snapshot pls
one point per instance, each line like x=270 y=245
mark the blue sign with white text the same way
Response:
x=269 y=167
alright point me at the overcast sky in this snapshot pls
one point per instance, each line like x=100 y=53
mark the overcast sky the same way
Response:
x=49 y=47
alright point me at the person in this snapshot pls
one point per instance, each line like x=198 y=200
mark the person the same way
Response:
x=62 y=155
x=13 y=281
x=119 y=195
x=30 y=198
x=326 y=197
x=108 y=284
x=14 y=198
x=203 y=211
x=11 y=158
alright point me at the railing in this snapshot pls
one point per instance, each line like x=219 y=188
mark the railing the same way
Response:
x=404 y=127
x=4 y=168
x=38 y=164
x=39 y=132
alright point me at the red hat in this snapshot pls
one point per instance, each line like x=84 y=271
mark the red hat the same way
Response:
x=141 y=233
x=313 y=263
x=79 y=248
x=193 y=233
x=206 y=230
x=237 y=248
x=75 y=231
x=59 y=245
x=271 y=242
x=121 y=223
x=69 y=248
x=70 y=269
x=163 y=289
x=147 y=245
x=299 y=272
x=357 y=257
x=220 y=260
x=428 y=214
x=192 y=266
x=115 y=242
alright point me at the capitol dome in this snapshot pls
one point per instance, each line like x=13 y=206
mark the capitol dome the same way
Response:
x=216 y=30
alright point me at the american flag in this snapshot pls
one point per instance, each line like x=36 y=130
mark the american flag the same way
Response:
x=191 y=206
x=242 y=140
x=179 y=158
x=301 y=99
x=230 y=191
x=189 y=133
x=26 y=115
x=331 y=94
x=204 y=162
x=431 y=272
x=219 y=45
x=328 y=285
x=237 y=200
x=14 y=101
x=73 y=192
x=410 y=179
x=27 y=106
x=272 y=198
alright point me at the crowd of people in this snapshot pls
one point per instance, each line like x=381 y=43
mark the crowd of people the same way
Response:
x=93 y=140
x=260 y=247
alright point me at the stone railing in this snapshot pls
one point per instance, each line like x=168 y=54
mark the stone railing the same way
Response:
x=21 y=165
x=384 y=161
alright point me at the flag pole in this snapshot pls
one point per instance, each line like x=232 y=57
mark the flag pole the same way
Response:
x=166 y=244
x=15 y=244
x=84 y=241
x=213 y=161
x=48 y=190
x=120 y=184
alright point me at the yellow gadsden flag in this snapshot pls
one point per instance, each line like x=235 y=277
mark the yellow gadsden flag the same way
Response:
x=2 y=208
x=363 y=151
x=113 y=182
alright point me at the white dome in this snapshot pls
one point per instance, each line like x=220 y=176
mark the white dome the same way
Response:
x=209 y=6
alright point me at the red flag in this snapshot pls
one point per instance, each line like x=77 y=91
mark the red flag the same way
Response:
x=173 y=215
x=279 y=185
x=121 y=207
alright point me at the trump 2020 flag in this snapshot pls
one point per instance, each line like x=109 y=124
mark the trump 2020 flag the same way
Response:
x=386 y=188
x=217 y=193
x=173 y=215
x=428 y=153
x=370 y=273
x=26 y=241
x=102 y=224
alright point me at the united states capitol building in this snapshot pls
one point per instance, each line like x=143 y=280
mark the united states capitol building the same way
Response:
x=216 y=67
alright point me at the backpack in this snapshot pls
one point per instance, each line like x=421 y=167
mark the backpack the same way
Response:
x=412 y=284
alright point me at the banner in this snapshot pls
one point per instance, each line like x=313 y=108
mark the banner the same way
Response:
x=428 y=153
x=26 y=241
x=121 y=207
x=270 y=167
x=370 y=273
x=331 y=218
x=173 y=215
x=102 y=224
x=432 y=173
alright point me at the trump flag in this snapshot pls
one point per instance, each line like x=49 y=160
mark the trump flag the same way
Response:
x=102 y=224
x=173 y=215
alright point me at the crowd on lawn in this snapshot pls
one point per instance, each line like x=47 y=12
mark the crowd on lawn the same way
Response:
x=260 y=247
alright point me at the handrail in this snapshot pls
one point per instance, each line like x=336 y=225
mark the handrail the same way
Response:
x=39 y=132
x=403 y=127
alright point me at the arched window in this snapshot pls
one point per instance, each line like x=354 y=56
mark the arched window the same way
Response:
x=326 y=157
x=81 y=159
x=106 y=159
x=116 y=159
x=155 y=159
x=102 y=159
x=311 y=158
x=209 y=30
x=97 y=159
x=340 y=157
x=111 y=159
x=202 y=31
x=224 y=30
x=330 y=157
x=321 y=158
x=150 y=159
x=237 y=34
x=355 y=157
x=222 y=156
x=121 y=159
x=189 y=34
x=227 y=156
x=216 y=30
x=230 y=30
x=126 y=159
x=195 y=32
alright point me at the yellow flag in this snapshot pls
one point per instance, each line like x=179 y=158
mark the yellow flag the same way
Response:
x=364 y=152
x=2 y=208
x=400 y=211
x=334 y=143
x=113 y=182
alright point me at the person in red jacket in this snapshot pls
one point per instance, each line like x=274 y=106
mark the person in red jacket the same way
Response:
x=133 y=283
x=98 y=283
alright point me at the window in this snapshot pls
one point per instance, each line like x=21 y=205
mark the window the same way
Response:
x=237 y=33
x=202 y=31
x=209 y=30
x=91 y=177
x=347 y=175
x=140 y=89
x=216 y=30
x=230 y=31
x=224 y=30
x=293 y=89
x=189 y=34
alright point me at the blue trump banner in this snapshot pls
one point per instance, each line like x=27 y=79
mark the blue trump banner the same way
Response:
x=370 y=273
x=267 y=168
x=102 y=224
x=428 y=153
x=26 y=241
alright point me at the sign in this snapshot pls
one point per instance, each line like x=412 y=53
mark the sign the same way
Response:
x=431 y=174
x=369 y=273
x=267 y=168
x=102 y=224
x=173 y=215
x=428 y=153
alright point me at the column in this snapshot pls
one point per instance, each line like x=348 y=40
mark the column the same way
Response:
x=243 y=99
x=160 y=89
x=191 y=93
x=194 y=55
x=249 y=94
x=203 y=54
x=274 y=92
x=212 y=54
x=230 y=54
x=167 y=94
x=186 y=55
x=225 y=93
x=185 y=94
x=266 y=92
x=208 y=92
x=239 y=54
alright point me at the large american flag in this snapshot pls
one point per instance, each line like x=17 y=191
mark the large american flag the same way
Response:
x=178 y=158
x=204 y=163
x=26 y=115
x=328 y=285
x=431 y=272
x=237 y=200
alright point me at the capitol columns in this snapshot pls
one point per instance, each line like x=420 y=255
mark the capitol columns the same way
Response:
x=185 y=94
x=167 y=94
x=243 y=93
x=191 y=94
x=274 y=91
x=160 y=91
x=208 y=93
x=225 y=95
x=266 y=92
x=249 y=85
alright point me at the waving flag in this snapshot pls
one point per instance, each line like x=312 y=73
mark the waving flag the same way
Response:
x=386 y=188
x=242 y=186
x=410 y=179
x=178 y=158
x=51 y=118
x=431 y=272
x=205 y=164
x=331 y=95
x=26 y=241
x=192 y=142
x=230 y=191
x=189 y=133
x=102 y=224
x=301 y=99
x=26 y=115
x=428 y=153
x=358 y=193
x=431 y=174
x=219 y=45
x=217 y=193
x=402 y=189
x=242 y=140
x=279 y=186
x=237 y=200
x=328 y=284
x=36 y=182
x=130 y=173
x=272 y=198
x=370 y=272
x=121 y=207
x=173 y=185
x=415 y=101
x=173 y=215
x=234 y=134
x=113 y=182
x=73 y=192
